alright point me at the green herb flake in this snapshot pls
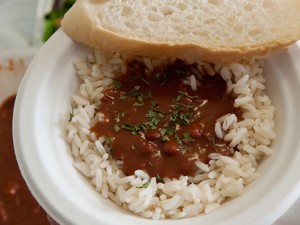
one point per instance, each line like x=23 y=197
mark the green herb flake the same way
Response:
x=108 y=139
x=149 y=94
x=119 y=116
x=186 y=94
x=154 y=104
x=150 y=164
x=178 y=105
x=135 y=92
x=117 y=128
x=123 y=96
x=159 y=178
x=133 y=147
x=177 y=139
x=179 y=97
x=184 y=118
x=71 y=114
x=133 y=129
x=165 y=133
x=117 y=84
x=187 y=137
x=145 y=185
x=140 y=98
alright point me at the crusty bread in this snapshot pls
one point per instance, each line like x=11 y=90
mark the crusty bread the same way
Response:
x=209 y=30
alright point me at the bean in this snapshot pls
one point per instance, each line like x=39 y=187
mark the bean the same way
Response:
x=170 y=148
x=153 y=135
x=195 y=129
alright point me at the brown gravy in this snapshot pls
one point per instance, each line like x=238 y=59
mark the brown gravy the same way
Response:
x=17 y=206
x=160 y=125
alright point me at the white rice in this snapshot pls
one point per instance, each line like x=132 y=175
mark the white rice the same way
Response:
x=223 y=177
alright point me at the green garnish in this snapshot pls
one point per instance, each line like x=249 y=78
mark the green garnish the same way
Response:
x=71 y=113
x=119 y=116
x=117 y=128
x=145 y=185
x=179 y=105
x=184 y=119
x=135 y=92
x=186 y=94
x=108 y=139
x=149 y=94
x=123 y=96
x=117 y=84
x=177 y=139
x=159 y=178
x=133 y=129
x=150 y=164
x=187 y=137
x=179 y=97
x=154 y=104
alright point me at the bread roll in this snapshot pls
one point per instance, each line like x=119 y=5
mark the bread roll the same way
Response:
x=193 y=30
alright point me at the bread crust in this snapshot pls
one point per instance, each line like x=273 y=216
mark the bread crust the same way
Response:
x=82 y=29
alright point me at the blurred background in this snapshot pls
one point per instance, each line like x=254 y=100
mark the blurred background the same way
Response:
x=30 y=22
x=24 y=26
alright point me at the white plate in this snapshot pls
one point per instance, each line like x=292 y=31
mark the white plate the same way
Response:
x=46 y=164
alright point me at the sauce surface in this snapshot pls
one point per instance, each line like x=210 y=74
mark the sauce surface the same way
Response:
x=156 y=123
x=17 y=206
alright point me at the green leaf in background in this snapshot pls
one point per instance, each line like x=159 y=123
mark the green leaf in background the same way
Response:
x=53 y=18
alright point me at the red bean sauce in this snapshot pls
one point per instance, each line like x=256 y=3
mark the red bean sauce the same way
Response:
x=17 y=206
x=156 y=123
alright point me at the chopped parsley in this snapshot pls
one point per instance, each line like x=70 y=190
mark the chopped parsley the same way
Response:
x=149 y=94
x=123 y=96
x=135 y=92
x=187 y=137
x=119 y=116
x=71 y=114
x=117 y=128
x=145 y=185
x=177 y=139
x=134 y=129
x=159 y=178
x=117 y=84
x=108 y=139
x=186 y=94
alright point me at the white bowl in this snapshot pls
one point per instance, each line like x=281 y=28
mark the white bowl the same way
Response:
x=46 y=163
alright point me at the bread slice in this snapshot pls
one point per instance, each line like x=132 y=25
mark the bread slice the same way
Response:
x=208 y=30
